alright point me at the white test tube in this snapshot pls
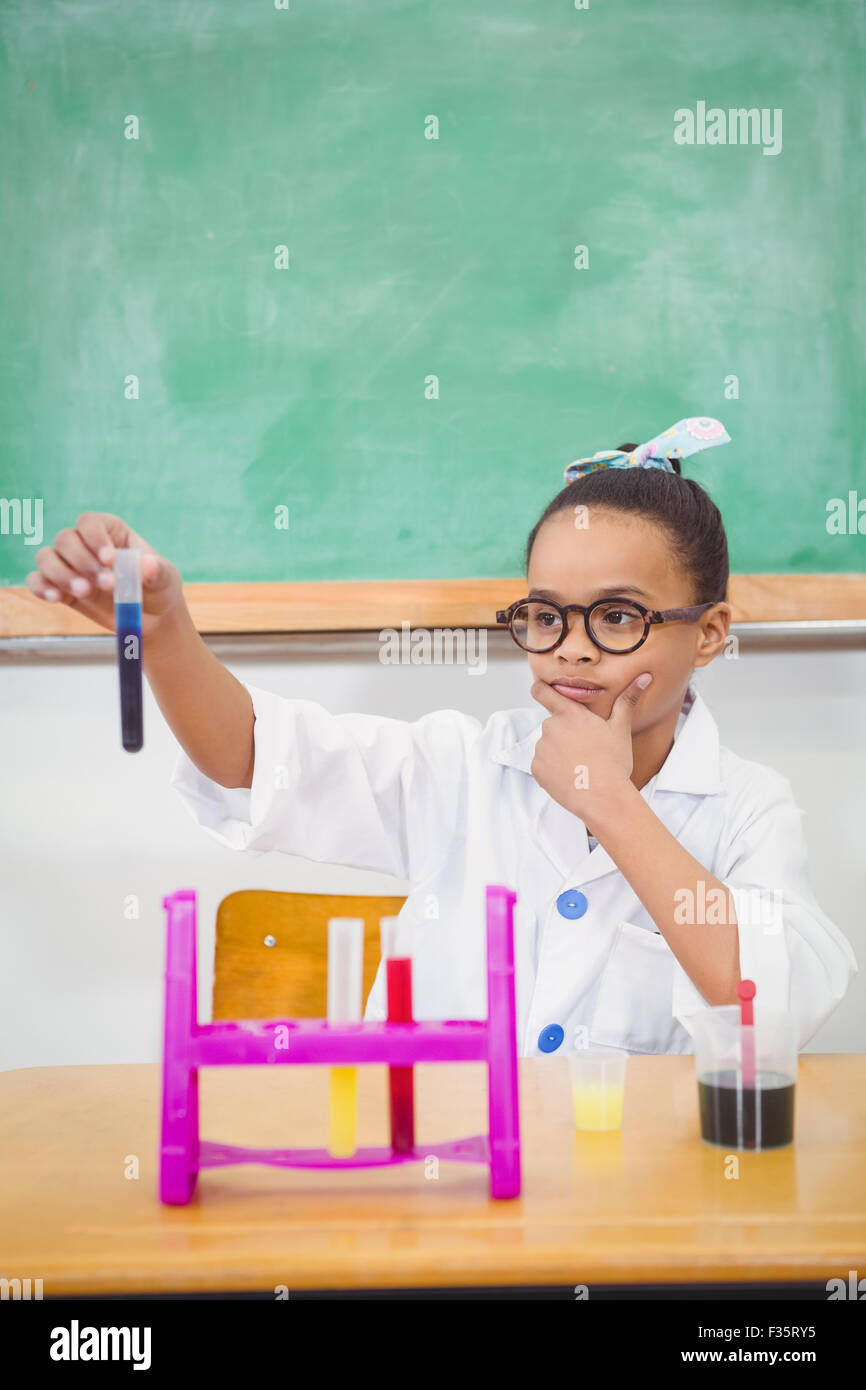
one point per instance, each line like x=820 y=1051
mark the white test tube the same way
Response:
x=392 y=935
x=345 y=969
x=345 y=1002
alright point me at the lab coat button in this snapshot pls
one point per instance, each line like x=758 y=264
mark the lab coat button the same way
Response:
x=550 y=1037
x=571 y=903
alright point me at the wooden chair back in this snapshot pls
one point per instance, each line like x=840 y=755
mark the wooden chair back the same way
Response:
x=289 y=978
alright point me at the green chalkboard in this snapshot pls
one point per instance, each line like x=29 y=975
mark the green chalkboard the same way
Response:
x=722 y=278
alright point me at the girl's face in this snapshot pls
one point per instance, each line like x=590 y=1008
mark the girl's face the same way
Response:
x=620 y=555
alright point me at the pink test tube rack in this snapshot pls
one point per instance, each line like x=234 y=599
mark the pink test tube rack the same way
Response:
x=190 y=1045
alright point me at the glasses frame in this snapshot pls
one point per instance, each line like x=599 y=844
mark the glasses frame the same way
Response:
x=650 y=617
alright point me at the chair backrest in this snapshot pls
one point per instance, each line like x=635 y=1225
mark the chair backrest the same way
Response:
x=288 y=979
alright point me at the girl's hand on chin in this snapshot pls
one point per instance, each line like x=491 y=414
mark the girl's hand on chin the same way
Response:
x=581 y=759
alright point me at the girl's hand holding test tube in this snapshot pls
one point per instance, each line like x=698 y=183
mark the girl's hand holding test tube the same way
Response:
x=183 y=674
x=78 y=570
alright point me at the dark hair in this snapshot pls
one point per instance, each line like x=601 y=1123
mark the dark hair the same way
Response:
x=688 y=514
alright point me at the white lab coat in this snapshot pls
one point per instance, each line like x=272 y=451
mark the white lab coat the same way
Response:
x=450 y=805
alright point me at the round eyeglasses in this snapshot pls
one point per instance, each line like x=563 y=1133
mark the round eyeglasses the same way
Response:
x=616 y=625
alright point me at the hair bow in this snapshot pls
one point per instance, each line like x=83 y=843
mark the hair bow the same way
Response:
x=684 y=438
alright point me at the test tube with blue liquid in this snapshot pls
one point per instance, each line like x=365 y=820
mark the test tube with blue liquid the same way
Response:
x=127 y=625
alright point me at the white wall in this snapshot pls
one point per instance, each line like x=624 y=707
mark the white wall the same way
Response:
x=83 y=824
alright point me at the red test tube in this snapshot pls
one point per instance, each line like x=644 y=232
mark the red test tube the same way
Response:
x=401 y=1081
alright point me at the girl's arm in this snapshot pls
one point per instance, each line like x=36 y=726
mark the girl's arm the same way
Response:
x=648 y=856
x=208 y=710
x=659 y=869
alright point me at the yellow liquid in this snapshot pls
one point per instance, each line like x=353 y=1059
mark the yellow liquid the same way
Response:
x=343 y=1109
x=596 y=1107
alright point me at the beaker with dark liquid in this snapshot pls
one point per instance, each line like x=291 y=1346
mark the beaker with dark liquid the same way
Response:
x=746 y=1077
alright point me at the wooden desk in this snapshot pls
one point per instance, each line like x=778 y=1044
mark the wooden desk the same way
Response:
x=648 y=1205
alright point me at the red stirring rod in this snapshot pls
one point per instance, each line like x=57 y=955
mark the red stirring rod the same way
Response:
x=746 y=992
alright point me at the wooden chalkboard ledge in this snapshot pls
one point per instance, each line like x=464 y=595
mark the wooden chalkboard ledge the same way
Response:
x=372 y=604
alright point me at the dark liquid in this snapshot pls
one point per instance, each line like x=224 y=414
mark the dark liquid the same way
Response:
x=128 y=624
x=762 y=1118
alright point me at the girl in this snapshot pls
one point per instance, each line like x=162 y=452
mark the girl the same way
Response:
x=653 y=868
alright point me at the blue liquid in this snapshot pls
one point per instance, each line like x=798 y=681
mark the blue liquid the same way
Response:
x=127 y=621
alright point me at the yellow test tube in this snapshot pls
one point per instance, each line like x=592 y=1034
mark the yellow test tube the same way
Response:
x=345 y=992
x=597 y=1107
x=597 y=1086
